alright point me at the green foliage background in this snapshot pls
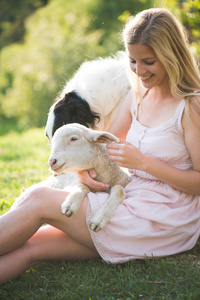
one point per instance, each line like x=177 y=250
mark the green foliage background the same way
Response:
x=42 y=43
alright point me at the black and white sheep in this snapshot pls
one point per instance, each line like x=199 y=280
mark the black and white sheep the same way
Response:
x=75 y=148
x=93 y=96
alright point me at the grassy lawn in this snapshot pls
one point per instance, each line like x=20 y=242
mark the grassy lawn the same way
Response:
x=23 y=161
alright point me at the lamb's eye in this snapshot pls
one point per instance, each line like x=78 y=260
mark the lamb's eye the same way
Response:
x=74 y=138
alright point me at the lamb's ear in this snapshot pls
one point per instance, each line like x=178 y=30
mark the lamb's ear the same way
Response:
x=100 y=136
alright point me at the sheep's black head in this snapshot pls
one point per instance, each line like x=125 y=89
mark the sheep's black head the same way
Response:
x=71 y=109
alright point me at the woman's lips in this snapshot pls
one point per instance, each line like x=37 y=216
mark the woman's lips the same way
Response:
x=146 y=78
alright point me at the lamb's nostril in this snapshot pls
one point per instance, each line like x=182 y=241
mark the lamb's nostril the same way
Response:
x=52 y=162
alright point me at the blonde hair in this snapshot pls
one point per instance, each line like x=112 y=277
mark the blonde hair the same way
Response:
x=160 y=30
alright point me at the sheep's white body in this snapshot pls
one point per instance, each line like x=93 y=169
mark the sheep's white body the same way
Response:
x=103 y=83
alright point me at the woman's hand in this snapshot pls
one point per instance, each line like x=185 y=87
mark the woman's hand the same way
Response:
x=125 y=155
x=87 y=177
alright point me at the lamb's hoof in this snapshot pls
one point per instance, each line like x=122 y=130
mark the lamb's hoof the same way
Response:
x=94 y=227
x=68 y=213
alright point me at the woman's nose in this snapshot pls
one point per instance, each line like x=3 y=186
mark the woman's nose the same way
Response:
x=139 y=69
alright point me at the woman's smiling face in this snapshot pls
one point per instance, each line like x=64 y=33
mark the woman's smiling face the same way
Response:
x=145 y=64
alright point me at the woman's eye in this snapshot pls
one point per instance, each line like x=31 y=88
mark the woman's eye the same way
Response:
x=149 y=63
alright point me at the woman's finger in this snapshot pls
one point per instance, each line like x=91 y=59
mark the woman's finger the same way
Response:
x=87 y=177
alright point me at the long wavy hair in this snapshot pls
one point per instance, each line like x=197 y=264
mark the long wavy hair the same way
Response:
x=160 y=30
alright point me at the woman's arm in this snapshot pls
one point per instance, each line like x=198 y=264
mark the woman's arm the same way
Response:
x=185 y=181
x=126 y=155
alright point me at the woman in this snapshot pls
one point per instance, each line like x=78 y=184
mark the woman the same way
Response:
x=160 y=121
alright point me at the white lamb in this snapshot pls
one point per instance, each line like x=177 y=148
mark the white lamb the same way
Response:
x=76 y=148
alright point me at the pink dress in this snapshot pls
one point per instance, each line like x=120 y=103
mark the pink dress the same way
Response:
x=155 y=219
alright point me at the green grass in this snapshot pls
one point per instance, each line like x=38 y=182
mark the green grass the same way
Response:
x=24 y=162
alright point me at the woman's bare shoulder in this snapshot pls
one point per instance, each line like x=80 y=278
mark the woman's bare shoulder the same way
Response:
x=191 y=126
x=192 y=112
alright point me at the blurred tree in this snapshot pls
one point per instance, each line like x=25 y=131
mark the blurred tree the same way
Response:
x=190 y=17
x=109 y=16
x=12 y=17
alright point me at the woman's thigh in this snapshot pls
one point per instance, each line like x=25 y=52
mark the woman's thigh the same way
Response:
x=48 y=202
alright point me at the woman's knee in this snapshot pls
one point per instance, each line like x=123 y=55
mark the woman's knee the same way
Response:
x=46 y=200
x=40 y=192
x=37 y=198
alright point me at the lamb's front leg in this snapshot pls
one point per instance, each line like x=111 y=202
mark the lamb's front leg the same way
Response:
x=74 y=199
x=102 y=216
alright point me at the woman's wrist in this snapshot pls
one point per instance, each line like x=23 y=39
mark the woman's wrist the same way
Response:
x=147 y=163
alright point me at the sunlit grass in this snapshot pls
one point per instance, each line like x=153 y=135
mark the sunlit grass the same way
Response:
x=23 y=162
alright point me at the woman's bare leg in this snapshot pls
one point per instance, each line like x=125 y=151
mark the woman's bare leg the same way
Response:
x=41 y=206
x=48 y=243
x=71 y=239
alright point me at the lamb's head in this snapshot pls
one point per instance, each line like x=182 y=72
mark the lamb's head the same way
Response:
x=73 y=150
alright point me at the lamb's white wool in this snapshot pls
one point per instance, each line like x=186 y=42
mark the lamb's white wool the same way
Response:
x=74 y=148
x=103 y=84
